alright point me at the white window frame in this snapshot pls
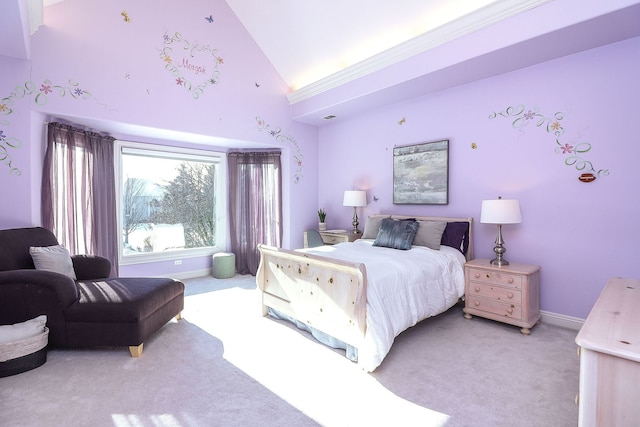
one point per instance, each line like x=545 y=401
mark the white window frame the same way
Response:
x=219 y=158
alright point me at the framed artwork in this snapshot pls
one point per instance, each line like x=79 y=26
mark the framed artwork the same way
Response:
x=421 y=174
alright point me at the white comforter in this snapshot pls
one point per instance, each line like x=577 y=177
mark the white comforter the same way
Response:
x=403 y=288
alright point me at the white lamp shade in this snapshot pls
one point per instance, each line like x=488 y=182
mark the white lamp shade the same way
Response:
x=355 y=198
x=500 y=211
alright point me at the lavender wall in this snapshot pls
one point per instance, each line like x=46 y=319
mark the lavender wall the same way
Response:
x=15 y=147
x=91 y=66
x=581 y=234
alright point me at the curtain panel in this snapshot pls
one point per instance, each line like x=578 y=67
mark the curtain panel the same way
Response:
x=255 y=205
x=78 y=192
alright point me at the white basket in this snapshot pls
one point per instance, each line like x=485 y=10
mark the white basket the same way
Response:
x=15 y=349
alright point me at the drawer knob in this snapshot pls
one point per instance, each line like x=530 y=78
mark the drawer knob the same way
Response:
x=510 y=310
x=477 y=275
x=476 y=303
x=477 y=289
x=510 y=280
x=509 y=295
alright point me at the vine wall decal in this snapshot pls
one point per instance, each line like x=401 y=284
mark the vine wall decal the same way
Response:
x=277 y=134
x=194 y=66
x=573 y=152
x=40 y=96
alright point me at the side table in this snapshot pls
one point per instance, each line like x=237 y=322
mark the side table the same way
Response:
x=508 y=294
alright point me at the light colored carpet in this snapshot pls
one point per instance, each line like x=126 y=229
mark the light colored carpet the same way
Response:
x=225 y=365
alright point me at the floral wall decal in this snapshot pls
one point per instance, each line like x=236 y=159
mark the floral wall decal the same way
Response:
x=277 y=134
x=572 y=151
x=40 y=95
x=195 y=67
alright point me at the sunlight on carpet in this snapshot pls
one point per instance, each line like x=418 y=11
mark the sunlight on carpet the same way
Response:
x=319 y=381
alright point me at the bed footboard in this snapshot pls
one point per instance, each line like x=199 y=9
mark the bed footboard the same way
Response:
x=326 y=294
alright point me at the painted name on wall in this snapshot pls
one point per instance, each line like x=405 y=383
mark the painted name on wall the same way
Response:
x=192 y=67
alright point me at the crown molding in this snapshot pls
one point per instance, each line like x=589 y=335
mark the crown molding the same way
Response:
x=467 y=24
x=36 y=15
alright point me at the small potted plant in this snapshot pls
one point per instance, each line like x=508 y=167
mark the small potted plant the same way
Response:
x=321 y=216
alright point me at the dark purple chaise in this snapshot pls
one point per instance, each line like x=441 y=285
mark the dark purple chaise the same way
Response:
x=94 y=310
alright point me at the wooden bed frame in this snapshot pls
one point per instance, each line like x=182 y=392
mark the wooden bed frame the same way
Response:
x=327 y=294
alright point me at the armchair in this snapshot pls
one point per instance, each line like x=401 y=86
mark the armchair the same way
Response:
x=93 y=310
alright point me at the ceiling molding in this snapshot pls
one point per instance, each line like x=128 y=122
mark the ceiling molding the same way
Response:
x=474 y=21
x=36 y=15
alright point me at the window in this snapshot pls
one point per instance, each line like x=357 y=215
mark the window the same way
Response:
x=172 y=202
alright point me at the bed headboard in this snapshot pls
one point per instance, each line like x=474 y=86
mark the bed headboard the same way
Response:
x=465 y=227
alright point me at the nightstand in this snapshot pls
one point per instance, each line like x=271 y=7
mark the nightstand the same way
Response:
x=508 y=294
x=333 y=237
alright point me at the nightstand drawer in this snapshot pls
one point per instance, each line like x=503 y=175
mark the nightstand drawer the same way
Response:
x=333 y=239
x=496 y=277
x=495 y=293
x=496 y=307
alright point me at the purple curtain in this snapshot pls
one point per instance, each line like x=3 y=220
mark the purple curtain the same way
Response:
x=255 y=205
x=78 y=192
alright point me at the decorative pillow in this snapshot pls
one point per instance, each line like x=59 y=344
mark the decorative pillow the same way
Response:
x=455 y=235
x=396 y=234
x=53 y=258
x=22 y=331
x=372 y=226
x=430 y=234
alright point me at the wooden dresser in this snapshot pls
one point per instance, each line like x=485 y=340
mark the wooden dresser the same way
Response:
x=509 y=294
x=609 y=350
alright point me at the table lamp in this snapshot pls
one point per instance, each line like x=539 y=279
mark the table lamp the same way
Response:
x=355 y=198
x=500 y=212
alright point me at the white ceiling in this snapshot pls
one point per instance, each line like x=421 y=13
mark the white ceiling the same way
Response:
x=310 y=40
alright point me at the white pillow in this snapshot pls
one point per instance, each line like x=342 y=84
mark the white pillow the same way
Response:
x=53 y=258
x=24 y=330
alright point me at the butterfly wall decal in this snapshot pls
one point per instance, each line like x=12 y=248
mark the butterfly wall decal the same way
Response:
x=257 y=84
x=375 y=199
x=125 y=16
x=209 y=19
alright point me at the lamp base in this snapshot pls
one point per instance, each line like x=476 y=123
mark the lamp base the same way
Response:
x=499 y=262
x=499 y=249
x=355 y=222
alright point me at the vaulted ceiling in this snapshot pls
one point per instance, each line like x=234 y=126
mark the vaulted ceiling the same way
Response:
x=318 y=46
x=309 y=40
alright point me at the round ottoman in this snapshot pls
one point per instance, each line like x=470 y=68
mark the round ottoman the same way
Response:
x=224 y=265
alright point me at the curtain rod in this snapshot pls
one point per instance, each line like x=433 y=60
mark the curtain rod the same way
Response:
x=79 y=128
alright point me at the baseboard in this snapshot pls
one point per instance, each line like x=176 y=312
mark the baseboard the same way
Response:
x=189 y=274
x=556 y=319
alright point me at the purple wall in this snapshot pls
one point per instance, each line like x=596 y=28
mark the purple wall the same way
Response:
x=91 y=67
x=581 y=234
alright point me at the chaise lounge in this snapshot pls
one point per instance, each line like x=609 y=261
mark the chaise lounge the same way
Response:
x=91 y=311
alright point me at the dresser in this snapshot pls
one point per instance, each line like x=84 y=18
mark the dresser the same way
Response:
x=508 y=294
x=609 y=351
x=337 y=236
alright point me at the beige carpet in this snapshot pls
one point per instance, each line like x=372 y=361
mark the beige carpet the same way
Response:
x=224 y=365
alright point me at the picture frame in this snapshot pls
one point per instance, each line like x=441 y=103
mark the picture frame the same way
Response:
x=421 y=174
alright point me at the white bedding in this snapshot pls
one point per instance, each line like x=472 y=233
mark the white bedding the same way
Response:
x=403 y=288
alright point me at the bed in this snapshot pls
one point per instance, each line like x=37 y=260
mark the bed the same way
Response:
x=361 y=295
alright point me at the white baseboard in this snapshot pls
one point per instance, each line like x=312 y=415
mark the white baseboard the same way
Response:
x=189 y=274
x=556 y=319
